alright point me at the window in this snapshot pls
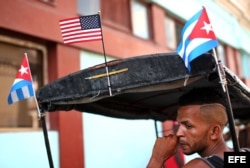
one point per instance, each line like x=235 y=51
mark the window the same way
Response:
x=178 y=28
x=88 y=7
x=170 y=32
x=119 y=16
x=245 y=62
x=22 y=113
x=221 y=53
x=140 y=26
x=173 y=29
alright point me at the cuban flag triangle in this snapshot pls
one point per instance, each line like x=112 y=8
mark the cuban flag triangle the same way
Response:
x=22 y=87
x=197 y=38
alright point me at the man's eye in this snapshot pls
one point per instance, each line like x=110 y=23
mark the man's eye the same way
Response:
x=188 y=126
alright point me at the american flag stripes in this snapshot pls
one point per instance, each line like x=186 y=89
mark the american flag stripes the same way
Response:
x=81 y=29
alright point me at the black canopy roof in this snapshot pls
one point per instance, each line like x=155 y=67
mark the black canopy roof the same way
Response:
x=143 y=87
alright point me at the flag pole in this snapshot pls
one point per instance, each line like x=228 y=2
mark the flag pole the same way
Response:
x=46 y=140
x=41 y=117
x=156 y=129
x=223 y=81
x=105 y=58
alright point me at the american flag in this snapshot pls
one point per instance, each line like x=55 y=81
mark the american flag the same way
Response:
x=81 y=29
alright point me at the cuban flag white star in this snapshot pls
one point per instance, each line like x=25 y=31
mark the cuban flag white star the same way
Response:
x=23 y=70
x=207 y=27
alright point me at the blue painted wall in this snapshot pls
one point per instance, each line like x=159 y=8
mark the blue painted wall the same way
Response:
x=27 y=150
x=111 y=142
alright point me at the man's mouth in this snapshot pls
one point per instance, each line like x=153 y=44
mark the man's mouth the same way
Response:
x=183 y=144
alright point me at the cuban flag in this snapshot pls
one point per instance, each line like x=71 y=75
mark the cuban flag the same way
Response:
x=22 y=87
x=197 y=38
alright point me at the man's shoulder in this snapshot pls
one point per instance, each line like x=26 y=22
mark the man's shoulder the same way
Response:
x=213 y=161
x=196 y=163
x=245 y=149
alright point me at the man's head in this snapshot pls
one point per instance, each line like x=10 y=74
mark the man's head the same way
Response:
x=201 y=118
x=199 y=96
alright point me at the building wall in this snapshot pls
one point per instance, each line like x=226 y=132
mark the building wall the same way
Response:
x=36 y=21
x=239 y=9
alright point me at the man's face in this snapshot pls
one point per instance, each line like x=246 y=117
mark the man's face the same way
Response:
x=193 y=130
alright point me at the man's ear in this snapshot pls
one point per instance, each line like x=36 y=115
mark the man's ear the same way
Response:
x=215 y=132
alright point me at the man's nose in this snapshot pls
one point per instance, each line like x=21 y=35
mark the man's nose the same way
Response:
x=179 y=131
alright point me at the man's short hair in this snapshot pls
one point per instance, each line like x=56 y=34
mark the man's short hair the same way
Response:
x=199 y=96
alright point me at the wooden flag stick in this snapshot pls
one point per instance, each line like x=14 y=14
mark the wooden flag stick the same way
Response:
x=104 y=74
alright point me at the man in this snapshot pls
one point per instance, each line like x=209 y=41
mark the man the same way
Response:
x=201 y=117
